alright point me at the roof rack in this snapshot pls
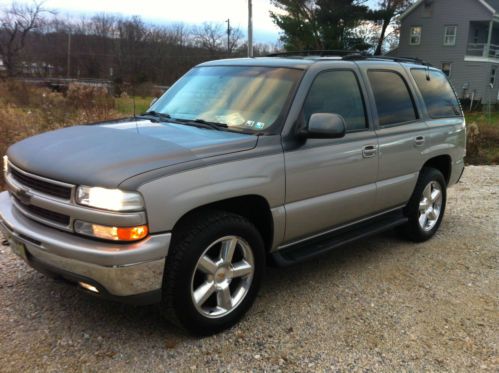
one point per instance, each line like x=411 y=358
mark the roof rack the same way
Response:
x=414 y=60
x=316 y=53
x=348 y=55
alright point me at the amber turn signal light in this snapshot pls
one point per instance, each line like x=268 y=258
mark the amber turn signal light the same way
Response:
x=111 y=233
x=132 y=233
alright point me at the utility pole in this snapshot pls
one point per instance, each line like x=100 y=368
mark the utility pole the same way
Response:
x=69 y=55
x=250 y=29
x=228 y=36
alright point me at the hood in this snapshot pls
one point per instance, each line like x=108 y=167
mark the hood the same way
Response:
x=106 y=154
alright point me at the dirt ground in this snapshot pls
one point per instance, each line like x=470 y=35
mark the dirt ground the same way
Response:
x=380 y=304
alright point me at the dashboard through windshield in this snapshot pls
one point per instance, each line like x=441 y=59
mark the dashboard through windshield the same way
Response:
x=244 y=98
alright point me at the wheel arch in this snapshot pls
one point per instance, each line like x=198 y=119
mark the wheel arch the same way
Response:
x=443 y=163
x=253 y=207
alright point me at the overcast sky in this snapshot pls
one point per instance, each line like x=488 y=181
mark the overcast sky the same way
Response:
x=188 y=11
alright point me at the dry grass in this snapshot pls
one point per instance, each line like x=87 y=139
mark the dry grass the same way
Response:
x=125 y=103
x=26 y=111
x=483 y=139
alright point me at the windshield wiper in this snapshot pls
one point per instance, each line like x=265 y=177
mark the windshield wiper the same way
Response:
x=194 y=122
x=216 y=125
x=155 y=114
x=204 y=124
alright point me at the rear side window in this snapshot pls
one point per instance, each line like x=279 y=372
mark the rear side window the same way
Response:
x=337 y=92
x=393 y=99
x=437 y=92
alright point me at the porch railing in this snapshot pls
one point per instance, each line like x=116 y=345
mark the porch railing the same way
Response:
x=480 y=50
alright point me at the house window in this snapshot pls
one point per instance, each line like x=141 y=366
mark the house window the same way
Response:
x=415 y=35
x=446 y=68
x=450 y=35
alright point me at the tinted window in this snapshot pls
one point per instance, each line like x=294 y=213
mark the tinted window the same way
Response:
x=393 y=100
x=437 y=93
x=337 y=92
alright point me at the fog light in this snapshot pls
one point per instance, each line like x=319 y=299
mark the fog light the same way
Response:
x=111 y=233
x=88 y=287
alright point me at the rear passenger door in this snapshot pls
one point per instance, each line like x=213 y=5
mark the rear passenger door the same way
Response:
x=401 y=131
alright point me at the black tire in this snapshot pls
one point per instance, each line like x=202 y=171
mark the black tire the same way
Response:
x=413 y=229
x=190 y=243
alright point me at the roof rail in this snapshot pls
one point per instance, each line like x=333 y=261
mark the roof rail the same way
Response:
x=316 y=53
x=417 y=61
x=347 y=55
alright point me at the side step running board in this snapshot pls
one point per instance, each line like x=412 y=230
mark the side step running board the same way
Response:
x=319 y=245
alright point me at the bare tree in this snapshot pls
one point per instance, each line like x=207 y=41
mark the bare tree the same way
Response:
x=235 y=38
x=132 y=59
x=16 y=22
x=179 y=33
x=387 y=11
x=209 y=36
x=103 y=25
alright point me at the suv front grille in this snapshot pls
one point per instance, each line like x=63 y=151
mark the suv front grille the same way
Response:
x=43 y=213
x=42 y=186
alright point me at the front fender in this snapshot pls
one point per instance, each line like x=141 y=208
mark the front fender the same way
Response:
x=169 y=198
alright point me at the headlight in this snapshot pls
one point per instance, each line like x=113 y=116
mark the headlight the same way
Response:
x=5 y=164
x=111 y=233
x=109 y=199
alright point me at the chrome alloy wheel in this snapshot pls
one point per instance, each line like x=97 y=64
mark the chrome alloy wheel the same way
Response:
x=430 y=206
x=222 y=276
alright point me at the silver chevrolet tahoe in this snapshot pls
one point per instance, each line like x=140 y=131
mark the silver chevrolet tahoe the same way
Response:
x=240 y=163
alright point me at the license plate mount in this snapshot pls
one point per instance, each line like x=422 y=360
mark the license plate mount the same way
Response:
x=18 y=248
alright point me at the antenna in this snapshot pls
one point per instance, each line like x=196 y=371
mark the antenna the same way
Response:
x=228 y=35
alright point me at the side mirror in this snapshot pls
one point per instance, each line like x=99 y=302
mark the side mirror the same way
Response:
x=325 y=126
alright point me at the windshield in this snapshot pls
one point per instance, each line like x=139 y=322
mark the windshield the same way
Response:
x=240 y=97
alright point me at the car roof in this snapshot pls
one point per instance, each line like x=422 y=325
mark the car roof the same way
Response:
x=305 y=62
x=297 y=63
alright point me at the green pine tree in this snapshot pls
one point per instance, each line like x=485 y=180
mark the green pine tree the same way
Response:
x=319 y=24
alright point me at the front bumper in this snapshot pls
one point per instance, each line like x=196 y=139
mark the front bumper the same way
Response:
x=125 y=272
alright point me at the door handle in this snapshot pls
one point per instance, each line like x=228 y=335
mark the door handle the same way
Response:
x=419 y=141
x=369 y=151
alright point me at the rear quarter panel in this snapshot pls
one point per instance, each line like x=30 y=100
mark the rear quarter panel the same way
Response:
x=448 y=137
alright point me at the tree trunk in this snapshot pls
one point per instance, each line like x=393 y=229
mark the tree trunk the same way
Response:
x=9 y=63
x=381 y=39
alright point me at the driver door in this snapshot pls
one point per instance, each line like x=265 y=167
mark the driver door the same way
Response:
x=330 y=182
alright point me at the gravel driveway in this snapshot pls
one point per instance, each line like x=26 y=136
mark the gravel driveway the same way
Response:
x=380 y=304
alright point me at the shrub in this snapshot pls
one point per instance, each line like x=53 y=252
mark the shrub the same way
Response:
x=482 y=145
x=92 y=103
x=26 y=110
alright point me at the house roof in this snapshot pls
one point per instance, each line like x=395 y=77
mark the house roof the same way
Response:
x=492 y=5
